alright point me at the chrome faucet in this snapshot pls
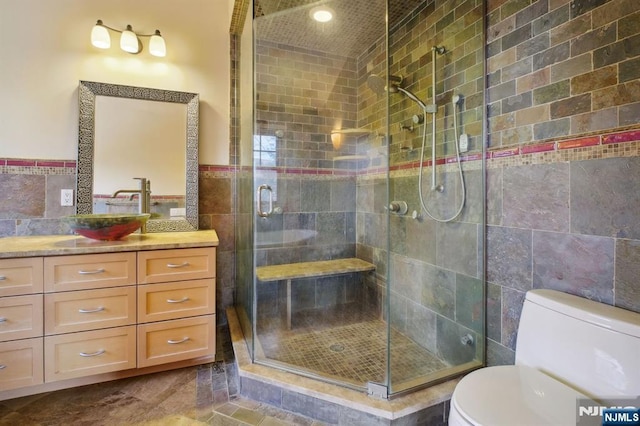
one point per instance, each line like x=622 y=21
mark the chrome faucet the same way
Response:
x=144 y=198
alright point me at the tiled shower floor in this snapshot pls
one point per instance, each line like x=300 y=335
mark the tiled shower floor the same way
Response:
x=354 y=352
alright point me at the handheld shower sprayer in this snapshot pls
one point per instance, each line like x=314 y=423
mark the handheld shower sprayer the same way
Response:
x=380 y=85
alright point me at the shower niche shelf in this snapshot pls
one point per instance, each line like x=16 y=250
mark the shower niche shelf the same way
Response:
x=356 y=133
x=351 y=158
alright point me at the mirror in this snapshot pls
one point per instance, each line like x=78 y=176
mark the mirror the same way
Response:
x=128 y=132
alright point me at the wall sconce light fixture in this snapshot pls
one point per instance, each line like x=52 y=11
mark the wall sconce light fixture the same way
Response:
x=129 y=40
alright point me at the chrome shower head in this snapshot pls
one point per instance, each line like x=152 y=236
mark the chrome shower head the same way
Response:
x=379 y=84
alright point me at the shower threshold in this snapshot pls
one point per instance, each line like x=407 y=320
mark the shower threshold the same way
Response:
x=331 y=403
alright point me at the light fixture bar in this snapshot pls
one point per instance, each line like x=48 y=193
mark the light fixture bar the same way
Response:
x=129 y=40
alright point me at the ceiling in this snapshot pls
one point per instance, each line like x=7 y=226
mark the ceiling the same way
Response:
x=357 y=24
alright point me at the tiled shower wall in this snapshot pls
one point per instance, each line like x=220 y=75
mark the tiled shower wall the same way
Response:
x=437 y=281
x=436 y=269
x=304 y=94
x=562 y=193
x=301 y=96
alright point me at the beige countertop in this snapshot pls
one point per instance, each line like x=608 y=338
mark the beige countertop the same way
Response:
x=55 y=245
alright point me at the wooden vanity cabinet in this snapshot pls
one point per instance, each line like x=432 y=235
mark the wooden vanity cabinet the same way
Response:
x=176 y=305
x=21 y=276
x=69 y=320
x=21 y=327
x=90 y=314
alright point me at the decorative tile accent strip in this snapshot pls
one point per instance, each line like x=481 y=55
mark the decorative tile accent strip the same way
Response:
x=51 y=164
x=21 y=163
x=505 y=153
x=619 y=144
x=21 y=166
x=633 y=135
x=216 y=168
x=579 y=143
x=543 y=147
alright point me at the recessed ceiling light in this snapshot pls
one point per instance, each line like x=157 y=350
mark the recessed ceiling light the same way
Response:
x=321 y=13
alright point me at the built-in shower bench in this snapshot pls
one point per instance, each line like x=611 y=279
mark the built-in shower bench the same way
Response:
x=320 y=268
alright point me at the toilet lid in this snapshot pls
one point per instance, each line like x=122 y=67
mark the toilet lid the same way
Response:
x=514 y=395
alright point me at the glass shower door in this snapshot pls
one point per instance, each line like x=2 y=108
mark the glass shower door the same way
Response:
x=309 y=148
x=350 y=122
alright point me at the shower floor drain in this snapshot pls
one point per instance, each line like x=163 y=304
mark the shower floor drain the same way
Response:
x=337 y=347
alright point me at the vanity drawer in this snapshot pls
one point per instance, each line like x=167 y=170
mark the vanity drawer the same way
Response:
x=177 y=340
x=174 y=265
x=89 y=309
x=81 y=272
x=67 y=356
x=20 y=363
x=159 y=302
x=20 y=317
x=20 y=276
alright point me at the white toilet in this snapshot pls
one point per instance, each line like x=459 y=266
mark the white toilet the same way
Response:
x=568 y=348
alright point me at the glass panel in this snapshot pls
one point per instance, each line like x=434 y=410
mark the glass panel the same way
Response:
x=342 y=142
x=244 y=219
x=436 y=259
x=325 y=324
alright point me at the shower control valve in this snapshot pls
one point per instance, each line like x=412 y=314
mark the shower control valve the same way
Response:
x=467 y=340
x=405 y=127
x=398 y=207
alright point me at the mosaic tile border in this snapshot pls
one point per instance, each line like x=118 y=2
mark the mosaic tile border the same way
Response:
x=609 y=145
x=18 y=166
x=624 y=143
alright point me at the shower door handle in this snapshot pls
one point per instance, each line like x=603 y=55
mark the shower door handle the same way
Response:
x=259 y=200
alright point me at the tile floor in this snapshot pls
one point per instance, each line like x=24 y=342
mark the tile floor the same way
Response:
x=354 y=353
x=346 y=343
x=202 y=395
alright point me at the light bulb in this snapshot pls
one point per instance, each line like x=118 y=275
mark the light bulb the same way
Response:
x=321 y=14
x=100 y=36
x=129 y=41
x=157 y=46
x=336 y=139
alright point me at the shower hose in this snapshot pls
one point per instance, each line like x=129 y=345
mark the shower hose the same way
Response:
x=433 y=164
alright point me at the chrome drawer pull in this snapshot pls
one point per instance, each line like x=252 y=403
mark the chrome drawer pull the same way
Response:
x=91 y=311
x=3 y=319
x=175 y=342
x=96 y=271
x=184 y=299
x=2 y=366
x=2 y=278
x=100 y=352
x=175 y=265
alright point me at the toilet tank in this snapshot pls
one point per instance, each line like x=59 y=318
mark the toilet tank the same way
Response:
x=590 y=346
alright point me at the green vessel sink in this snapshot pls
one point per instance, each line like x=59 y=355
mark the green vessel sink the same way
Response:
x=108 y=226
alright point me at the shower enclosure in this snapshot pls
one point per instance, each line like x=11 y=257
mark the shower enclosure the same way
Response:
x=362 y=137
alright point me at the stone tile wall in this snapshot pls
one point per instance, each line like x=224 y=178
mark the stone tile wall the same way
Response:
x=564 y=106
x=31 y=196
x=561 y=219
x=32 y=207
x=561 y=68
